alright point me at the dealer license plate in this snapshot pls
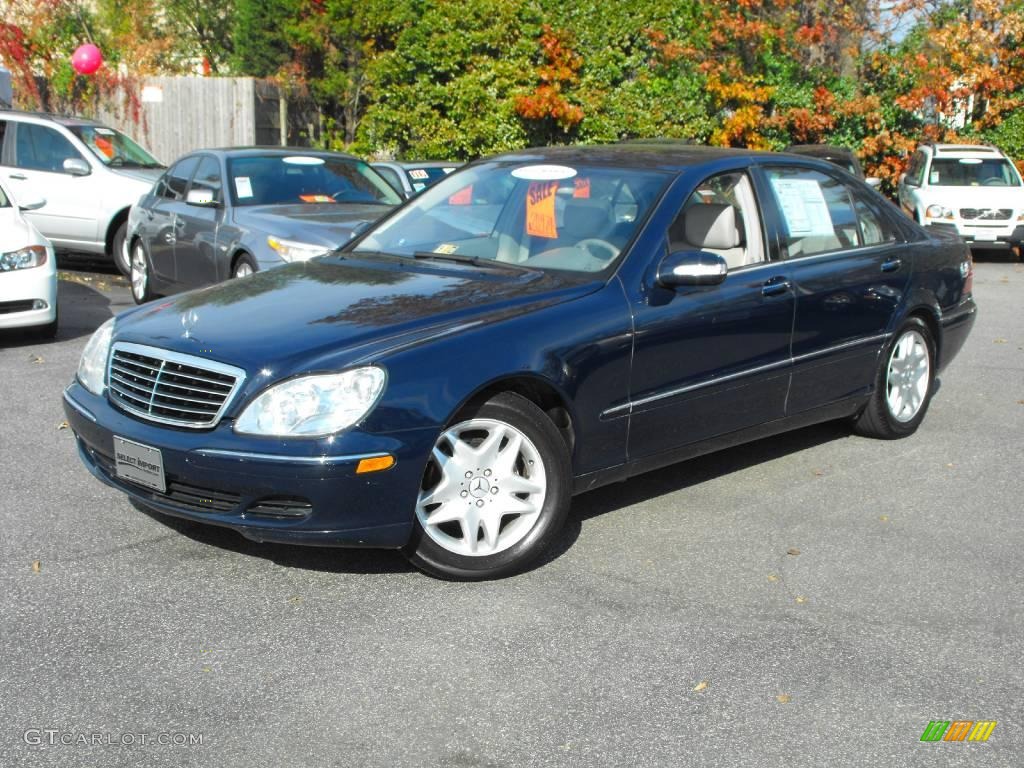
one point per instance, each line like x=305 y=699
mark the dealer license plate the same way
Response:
x=985 y=237
x=139 y=464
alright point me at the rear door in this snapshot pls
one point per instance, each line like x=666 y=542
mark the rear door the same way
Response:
x=35 y=161
x=195 y=249
x=849 y=268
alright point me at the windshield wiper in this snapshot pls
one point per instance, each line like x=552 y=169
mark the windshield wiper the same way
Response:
x=475 y=261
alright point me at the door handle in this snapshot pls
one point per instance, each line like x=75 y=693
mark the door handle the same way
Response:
x=891 y=265
x=19 y=177
x=775 y=287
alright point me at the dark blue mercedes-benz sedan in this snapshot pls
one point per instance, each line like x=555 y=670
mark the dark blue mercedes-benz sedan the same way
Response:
x=535 y=325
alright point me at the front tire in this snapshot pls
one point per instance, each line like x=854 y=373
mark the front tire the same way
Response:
x=244 y=266
x=140 y=275
x=119 y=250
x=904 y=384
x=495 y=492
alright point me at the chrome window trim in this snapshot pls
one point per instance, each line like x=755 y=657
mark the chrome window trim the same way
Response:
x=789 y=361
x=176 y=357
x=275 y=457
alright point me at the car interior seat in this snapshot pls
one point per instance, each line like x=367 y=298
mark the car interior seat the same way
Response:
x=712 y=227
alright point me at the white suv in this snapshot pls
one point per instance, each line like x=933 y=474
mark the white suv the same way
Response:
x=89 y=175
x=975 y=189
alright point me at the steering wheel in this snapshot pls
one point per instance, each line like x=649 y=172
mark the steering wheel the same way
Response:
x=593 y=246
x=993 y=181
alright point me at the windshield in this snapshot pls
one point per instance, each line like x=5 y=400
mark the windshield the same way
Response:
x=421 y=178
x=973 y=172
x=576 y=218
x=298 y=179
x=113 y=148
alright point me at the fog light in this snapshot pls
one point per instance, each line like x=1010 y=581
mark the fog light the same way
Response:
x=39 y=304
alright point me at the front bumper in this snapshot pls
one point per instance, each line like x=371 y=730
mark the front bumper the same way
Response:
x=21 y=287
x=266 y=489
x=979 y=236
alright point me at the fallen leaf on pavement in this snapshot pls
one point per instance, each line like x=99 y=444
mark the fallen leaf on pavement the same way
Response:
x=772 y=577
x=884 y=518
x=998 y=341
x=783 y=698
x=801 y=599
x=295 y=599
x=793 y=551
x=35 y=359
x=62 y=425
x=37 y=566
x=701 y=686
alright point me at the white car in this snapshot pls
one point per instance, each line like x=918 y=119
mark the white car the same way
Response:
x=28 y=270
x=974 y=189
x=89 y=174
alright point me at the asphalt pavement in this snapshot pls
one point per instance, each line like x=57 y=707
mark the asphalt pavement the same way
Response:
x=812 y=599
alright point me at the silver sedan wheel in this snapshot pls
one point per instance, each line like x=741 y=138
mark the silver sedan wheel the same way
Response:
x=908 y=377
x=485 y=489
x=139 y=272
x=243 y=269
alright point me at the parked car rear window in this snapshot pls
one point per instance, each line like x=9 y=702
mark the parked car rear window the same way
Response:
x=299 y=179
x=577 y=218
x=972 y=172
x=113 y=148
x=421 y=178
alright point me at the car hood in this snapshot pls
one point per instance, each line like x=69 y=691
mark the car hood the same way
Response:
x=145 y=175
x=330 y=312
x=979 y=197
x=329 y=224
x=16 y=232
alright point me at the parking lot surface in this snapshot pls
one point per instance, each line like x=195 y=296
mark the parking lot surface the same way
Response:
x=811 y=599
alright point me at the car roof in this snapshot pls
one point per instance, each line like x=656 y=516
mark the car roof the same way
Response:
x=432 y=164
x=272 y=151
x=963 y=149
x=820 y=150
x=657 y=153
x=52 y=117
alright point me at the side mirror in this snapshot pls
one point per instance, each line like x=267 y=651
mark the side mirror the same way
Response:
x=873 y=181
x=204 y=198
x=76 y=166
x=31 y=203
x=681 y=268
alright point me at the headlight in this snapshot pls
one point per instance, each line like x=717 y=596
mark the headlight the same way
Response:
x=28 y=257
x=289 y=250
x=313 y=406
x=93 y=364
x=938 y=212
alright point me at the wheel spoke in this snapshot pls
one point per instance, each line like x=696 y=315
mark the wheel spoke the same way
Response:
x=505 y=463
x=487 y=451
x=446 y=513
x=491 y=525
x=520 y=484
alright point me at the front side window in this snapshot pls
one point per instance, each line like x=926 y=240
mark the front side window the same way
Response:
x=577 y=218
x=816 y=210
x=721 y=217
x=174 y=183
x=5 y=202
x=113 y=148
x=207 y=177
x=306 y=179
x=973 y=172
x=915 y=171
x=41 y=148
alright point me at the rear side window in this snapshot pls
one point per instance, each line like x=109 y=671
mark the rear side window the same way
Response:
x=39 y=148
x=821 y=214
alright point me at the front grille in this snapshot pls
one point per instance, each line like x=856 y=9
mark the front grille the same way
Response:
x=170 y=388
x=987 y=214
x=280 y=508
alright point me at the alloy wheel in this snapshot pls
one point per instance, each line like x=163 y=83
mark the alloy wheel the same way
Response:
x=484 y=489
x=244 y=269
x=908 y=376
x=139 y=272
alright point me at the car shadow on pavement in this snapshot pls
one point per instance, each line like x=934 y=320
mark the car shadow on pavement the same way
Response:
x=607 y=499
x=82 y=309
x=324 y=559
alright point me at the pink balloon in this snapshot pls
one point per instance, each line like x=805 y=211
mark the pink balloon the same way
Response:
x=86 y=59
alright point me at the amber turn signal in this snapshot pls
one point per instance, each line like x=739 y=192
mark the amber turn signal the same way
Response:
x=376 y=464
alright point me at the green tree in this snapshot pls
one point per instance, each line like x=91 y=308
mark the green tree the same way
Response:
x=259 y=44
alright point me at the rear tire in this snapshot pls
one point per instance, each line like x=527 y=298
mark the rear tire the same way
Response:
x=495 y=492
x=119 y=249
x=903 y=385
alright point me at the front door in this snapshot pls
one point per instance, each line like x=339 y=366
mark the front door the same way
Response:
x=161 y=219
x=34 y=162
x=195 y=249
x=714 y=359
x=849 y=269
